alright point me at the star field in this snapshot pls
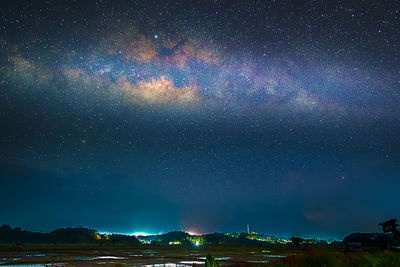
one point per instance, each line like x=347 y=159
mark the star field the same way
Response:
x=207 y=114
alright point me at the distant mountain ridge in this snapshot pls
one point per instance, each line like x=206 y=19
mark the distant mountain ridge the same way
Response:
x=82 y=235
x=76 y=235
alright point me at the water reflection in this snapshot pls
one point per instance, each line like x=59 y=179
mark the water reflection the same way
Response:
x=275 y=256
x=192 y=262
x=135 y=257
x=40 y=264
x=217 y=258
x=166 y=265
x=99 y=258
x=108 y=257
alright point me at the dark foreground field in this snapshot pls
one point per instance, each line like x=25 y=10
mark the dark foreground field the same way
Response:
x=64 y=255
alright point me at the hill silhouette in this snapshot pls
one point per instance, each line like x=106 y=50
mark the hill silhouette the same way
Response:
x=73 y=235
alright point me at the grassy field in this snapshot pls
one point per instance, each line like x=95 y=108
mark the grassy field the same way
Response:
x=89 y=255
x=341 y=258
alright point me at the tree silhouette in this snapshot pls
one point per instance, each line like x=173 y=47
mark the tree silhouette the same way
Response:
x=390 y=226
x=296 y=241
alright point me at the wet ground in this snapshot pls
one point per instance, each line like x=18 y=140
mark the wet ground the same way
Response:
x=152 y=257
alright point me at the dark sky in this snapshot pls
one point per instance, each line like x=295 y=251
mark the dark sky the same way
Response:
x=153 y=116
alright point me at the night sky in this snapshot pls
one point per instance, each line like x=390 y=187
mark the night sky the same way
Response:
x=152 y=116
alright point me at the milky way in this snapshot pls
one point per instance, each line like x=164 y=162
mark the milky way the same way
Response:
x=192 y=69
x=207 y=114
